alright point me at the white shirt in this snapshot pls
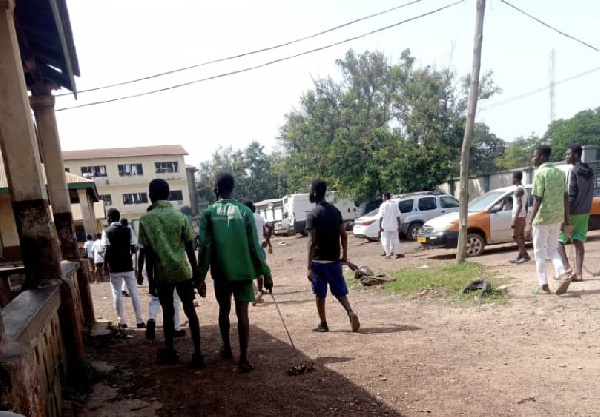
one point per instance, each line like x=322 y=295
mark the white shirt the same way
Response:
x=523 y=212
x=97 y=247
x=260 y=227
x=89 y=244
x=389 y=212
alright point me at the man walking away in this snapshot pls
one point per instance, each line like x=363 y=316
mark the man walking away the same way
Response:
x=89 y=252
x=154 y=301
x=326 y=232
x=390 y=225
x=98 y=250
x=580 y=183
x=229 y=246
x=119 y=243
x=550 y=209
x=519 y=215
x=168 y=238
x=260 y=233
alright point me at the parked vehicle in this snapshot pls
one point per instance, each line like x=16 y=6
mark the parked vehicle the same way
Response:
x=363 y=210
x=489 y=222
x=297 y=206
x=415 y=209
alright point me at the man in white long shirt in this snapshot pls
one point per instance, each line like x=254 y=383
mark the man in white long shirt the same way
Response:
x=389 y=226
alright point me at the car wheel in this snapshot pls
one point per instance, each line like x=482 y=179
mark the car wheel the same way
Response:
x=413 y=230
x=475 y=244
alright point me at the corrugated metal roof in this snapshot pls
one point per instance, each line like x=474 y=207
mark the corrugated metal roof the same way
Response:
x=124 y=152
x=73 y=181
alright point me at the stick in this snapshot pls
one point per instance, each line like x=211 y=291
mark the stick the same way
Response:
x=283 y=321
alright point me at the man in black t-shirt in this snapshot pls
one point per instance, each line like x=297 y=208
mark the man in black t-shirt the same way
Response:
x=326 y=235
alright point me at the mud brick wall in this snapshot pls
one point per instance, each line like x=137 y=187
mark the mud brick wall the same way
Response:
x=32 y=361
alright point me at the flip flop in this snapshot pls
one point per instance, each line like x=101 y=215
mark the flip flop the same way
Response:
x=575 y=278
x=564 y=285
x=245 y=367
x=539 y=291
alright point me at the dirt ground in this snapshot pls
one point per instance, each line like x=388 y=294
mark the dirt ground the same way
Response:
x=533 y=356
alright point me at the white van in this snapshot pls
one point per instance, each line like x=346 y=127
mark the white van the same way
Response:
x=297 y=206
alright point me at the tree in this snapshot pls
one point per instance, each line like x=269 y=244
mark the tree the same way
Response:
x=518 y=153
x=583 y=128
x=486 y=149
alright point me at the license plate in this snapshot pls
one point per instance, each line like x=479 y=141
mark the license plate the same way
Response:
x=421 y=239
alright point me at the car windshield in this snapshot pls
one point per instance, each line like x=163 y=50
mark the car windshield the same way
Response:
x=483 y=201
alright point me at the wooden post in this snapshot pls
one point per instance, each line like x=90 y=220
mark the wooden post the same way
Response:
x=463 y=196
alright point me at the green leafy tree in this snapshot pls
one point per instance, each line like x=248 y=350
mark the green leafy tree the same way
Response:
x=583 y=128
x=518 y=153
x=487 y=148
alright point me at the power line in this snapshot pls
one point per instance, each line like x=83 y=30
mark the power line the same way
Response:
x=173 y=87
x=549 y=26
x=538 y=90
x=244 y=54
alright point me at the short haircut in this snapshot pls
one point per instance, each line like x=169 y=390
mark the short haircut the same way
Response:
x=250 y=205
x=545 y=151
x=320 y=188
x=124 y=222
x=98 y=235
x=89 y=237
x=518 y=175
x=113 y=214
x=387 y=195
x=159 y=189
x=225 y=182
x=576 y=148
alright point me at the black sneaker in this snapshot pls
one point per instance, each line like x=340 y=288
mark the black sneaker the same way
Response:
x=523 y=259
x=141 y=325
x=197 y=361
x=383 y=254
x=400 y=256
x=514 y=261
x=151 y=330
x=179 y=333
x=321 y=328
x=125 y=294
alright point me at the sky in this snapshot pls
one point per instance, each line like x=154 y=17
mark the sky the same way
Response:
x=120 y=40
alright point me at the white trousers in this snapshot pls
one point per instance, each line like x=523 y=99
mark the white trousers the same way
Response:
x=116 y=285
x=155 y=305
x=389 y=241
x=545 y=240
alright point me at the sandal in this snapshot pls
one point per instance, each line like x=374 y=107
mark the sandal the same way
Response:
x=245 y=367
x=539 y=291
x=576 y=278
x=225 y=352
x=564 y=285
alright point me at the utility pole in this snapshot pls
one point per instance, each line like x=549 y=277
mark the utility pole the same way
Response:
x=552 y=85
x=463 y=196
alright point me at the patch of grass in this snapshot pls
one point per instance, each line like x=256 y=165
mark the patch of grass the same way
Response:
x=444 y=281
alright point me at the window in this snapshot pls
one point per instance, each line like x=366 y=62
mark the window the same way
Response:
x=427 y=204
x=448 y=202
x=135 y=198
x=107 y=198
x=176 y=195
x=162 y=167
x=94 y=171
x=406 y=206
x=130 y=169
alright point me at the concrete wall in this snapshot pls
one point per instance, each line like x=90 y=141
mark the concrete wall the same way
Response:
x=117 y=185
x=11 y=249
x=33 y=360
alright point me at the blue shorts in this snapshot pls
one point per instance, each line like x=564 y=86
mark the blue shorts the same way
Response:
x=331 y=274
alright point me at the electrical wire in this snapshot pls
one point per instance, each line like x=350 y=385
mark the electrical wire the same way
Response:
x=226 y=74
x=550 y=26
x=538 y=90
x=244 y=54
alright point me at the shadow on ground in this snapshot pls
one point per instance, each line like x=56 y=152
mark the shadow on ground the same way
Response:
x=218 y=390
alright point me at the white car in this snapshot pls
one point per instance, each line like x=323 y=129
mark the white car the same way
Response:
x=415 y=209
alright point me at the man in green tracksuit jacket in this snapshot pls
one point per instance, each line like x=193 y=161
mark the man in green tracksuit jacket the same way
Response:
x=229 y=246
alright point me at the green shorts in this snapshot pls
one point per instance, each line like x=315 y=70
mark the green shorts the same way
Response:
x=241 y=290
x=580 y=228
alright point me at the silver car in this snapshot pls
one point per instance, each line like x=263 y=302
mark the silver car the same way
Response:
x=418 y=208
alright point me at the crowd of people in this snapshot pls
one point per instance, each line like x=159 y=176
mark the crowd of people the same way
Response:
x=233 y=240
